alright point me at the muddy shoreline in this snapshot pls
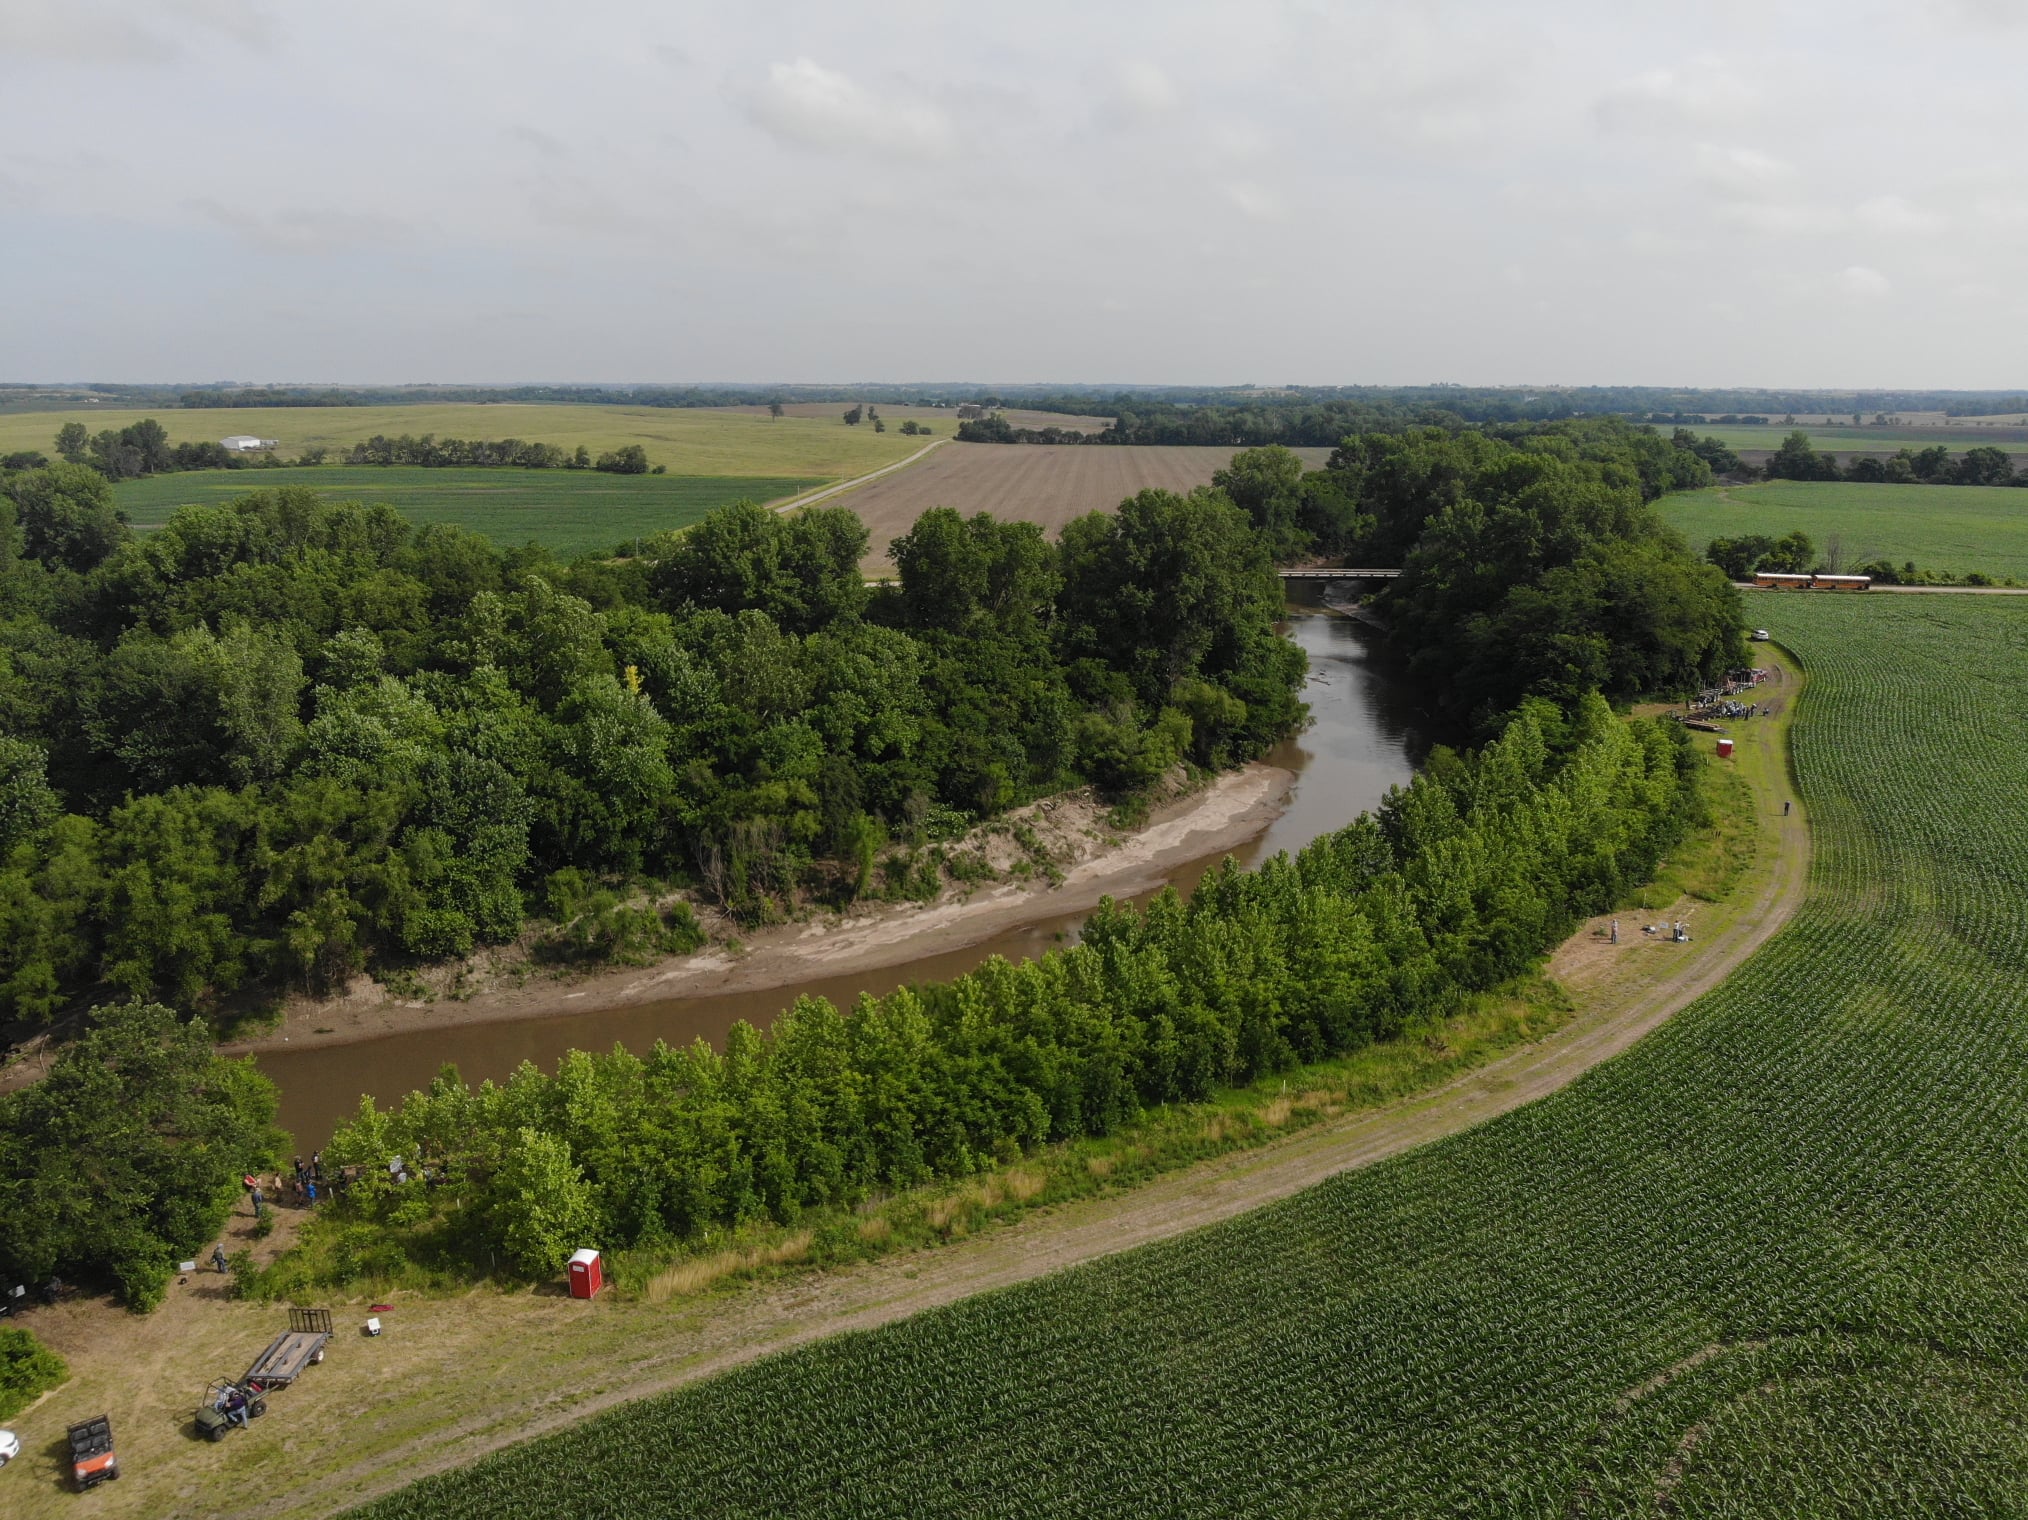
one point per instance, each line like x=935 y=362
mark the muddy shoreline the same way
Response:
x=1221 y=816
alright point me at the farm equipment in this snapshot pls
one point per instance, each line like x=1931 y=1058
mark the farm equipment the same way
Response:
x=224 y=1401
x=91 y=1452
x=288 y=1354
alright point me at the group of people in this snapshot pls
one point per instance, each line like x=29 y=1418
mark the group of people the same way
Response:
x=300 y=1188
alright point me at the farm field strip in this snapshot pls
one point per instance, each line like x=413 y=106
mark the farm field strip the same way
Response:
x=1944 y=528
x=688 y=440
x=1043 y=483
x=944 y=419
x=1845 y=439
x=1771 y=1261
x=569 y=511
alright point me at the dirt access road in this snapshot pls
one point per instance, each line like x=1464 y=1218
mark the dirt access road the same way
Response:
x=457 y=1377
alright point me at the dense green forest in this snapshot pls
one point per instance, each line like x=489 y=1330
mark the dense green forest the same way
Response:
x=125 y=1158
x=280 y=741
x=1462 y=880
x=1533 y=565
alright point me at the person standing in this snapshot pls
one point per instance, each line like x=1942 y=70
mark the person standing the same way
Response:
x=218 y=1258
x=257 y=1203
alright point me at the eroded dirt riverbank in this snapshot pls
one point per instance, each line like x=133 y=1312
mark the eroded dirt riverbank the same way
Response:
x=1366 y=735
x=1223 y=815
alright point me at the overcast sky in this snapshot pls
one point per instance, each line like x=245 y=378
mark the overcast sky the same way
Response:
x=1273 y=191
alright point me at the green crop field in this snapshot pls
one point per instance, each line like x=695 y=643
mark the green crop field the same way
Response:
x=1870 y=440
x=690 y=441
x=1941 y=528
x=570 y=511
x=1771 y=1262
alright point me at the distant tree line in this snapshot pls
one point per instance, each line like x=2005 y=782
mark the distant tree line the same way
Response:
x=1749 y=554
x=1478 y=404
x=431 y=452
x=1460 y=882
x=143 y=448
x=140 y=448
x=1139 y=422
x=1798 y=459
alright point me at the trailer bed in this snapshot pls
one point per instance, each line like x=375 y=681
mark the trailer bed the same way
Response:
x=295 y=1349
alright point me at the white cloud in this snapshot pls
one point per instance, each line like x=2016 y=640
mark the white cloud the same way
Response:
x=1744 y=172
x=1145 y=92
x=1785 y=218
x=1890 y=213
x=810 y=106
x=1256 y=202
x=1988 y=13
x=301 y=229
x=1862 y=282
x=1701 y=93
x=122 y=31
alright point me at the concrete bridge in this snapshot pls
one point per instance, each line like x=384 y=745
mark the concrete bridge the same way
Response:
x=1308 y=574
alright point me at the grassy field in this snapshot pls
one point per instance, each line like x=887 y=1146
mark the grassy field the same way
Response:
x=1043 y=483
x=571 y=511
x=1844 y=438
x=941 y=420
x=696 y=441
x=1942 y=528
x=1770 y=1262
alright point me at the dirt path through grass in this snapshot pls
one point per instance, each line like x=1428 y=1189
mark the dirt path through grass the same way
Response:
x=456 y=1378
x=811 y=498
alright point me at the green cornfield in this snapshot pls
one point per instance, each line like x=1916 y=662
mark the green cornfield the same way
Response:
x=1772 y=1262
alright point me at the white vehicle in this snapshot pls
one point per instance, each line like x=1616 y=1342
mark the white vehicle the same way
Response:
x=10 y=1447
x=1760 y=635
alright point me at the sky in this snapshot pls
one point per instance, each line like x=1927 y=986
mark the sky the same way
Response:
x=1270 y=192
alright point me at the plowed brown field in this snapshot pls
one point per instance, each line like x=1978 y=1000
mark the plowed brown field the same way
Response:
x=1043 y=483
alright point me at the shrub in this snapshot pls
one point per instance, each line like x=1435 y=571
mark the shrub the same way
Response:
x=28 y=1369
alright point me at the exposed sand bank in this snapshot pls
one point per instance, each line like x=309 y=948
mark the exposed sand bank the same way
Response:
x=1094 y=863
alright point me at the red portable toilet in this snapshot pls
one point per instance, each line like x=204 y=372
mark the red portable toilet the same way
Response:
x=586 y=1275
x=1725 y=749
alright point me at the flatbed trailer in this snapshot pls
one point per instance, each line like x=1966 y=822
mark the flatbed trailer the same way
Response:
x=288 y=1354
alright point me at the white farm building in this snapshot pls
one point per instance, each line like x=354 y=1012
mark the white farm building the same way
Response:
x=244 y=443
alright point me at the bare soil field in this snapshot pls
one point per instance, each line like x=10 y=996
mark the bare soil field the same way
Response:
x=1043 y=483
x=944 y=419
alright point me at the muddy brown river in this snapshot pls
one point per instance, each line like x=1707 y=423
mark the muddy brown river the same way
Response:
x=1366 y=735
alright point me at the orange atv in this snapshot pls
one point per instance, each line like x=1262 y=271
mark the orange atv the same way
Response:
x=91 y=1452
